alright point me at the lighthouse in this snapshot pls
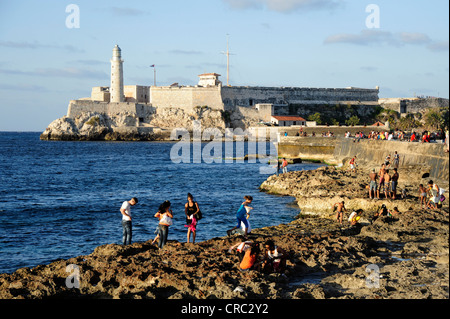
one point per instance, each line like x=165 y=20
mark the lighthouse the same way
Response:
x=116 y=89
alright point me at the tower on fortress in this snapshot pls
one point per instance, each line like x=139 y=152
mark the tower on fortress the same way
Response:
x=117 y=88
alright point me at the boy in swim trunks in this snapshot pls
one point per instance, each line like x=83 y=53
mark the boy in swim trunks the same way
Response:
x=340 y=211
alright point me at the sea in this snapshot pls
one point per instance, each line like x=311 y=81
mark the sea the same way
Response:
x=61 y=199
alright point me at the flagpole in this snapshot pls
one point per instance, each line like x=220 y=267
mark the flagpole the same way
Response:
x=154 y=74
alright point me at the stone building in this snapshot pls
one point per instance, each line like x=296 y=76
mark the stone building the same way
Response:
x=288 y=120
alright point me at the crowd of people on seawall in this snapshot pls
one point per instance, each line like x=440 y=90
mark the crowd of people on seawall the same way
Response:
x=426 y=136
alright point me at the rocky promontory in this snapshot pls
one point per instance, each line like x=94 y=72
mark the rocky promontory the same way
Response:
x=160 y=125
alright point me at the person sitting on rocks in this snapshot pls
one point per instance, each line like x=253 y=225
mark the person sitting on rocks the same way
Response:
x=354 y=217
x=394 y=212
x=241 y=247
x=274 y=258
x=382 y=211
x=250 y=259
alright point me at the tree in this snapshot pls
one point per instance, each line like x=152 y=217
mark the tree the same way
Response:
x=315 y=117
x=434 y=119
x=354 y=120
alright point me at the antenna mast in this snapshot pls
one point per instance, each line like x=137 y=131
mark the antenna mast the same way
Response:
x=228 y=60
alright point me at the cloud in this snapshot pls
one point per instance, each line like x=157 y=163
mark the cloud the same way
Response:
x=369 y=68
x=378 y=37
x=285 y=6
x=366 y=37
x=185 y=52
x=414 y=38
x=89 y=62
x=59 y=72
x=23 y=87
x=126 y=12
x=35 y=45
x=439 y=46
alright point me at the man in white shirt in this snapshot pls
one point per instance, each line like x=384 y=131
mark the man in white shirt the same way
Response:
x=126 y=219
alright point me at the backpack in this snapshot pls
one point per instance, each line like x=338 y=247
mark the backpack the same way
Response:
x=198 y=215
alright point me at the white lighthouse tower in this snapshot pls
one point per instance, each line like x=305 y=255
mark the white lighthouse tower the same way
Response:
x=116 y=89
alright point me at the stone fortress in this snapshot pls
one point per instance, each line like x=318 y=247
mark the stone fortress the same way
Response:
x=143 y=110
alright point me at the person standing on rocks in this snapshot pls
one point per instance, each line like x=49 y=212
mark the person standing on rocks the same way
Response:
x=381 y=183
x=387 y=184
x=353 y=164
x=433 y=191
x=284 y=165
x=422 y=196
x=396 y=160
x=125 y=210
x=340 y=209
x=241 y=216
x=373 y=184
x=394 y=183
x=165 y=216
x=191 y=209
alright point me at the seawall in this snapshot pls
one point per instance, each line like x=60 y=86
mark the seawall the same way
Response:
x=369 y=152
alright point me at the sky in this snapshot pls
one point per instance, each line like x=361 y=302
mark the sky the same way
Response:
x=54 y=51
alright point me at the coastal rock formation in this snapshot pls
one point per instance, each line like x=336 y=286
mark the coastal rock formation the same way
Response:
x=325 y=261
x=317 y=191
x=95 y=126
x=126 y=126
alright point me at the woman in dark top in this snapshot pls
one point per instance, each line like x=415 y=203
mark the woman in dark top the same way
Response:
x=191 y=210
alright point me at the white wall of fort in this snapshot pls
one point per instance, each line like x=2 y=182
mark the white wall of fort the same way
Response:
x=186 y=97
x=78 y=107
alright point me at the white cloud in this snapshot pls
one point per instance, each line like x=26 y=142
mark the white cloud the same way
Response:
x=366 y=37
x=59 y=72
x=37 y=45
x=439 y=46
x=378 y=37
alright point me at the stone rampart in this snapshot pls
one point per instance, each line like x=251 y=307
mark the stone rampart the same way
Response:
x=78 y=107
x=250 y=96
x=186 y=97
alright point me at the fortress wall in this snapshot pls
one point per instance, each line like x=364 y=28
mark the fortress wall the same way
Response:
x=249 y=96
x=413 y=105
x=208 y=96
x=180 y=97
x=77 y=107
x=186 y=97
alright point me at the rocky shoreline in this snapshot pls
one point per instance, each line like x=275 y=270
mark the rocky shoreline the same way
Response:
x=400 y=257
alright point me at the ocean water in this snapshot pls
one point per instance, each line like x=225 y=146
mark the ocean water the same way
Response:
x=61 y=199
